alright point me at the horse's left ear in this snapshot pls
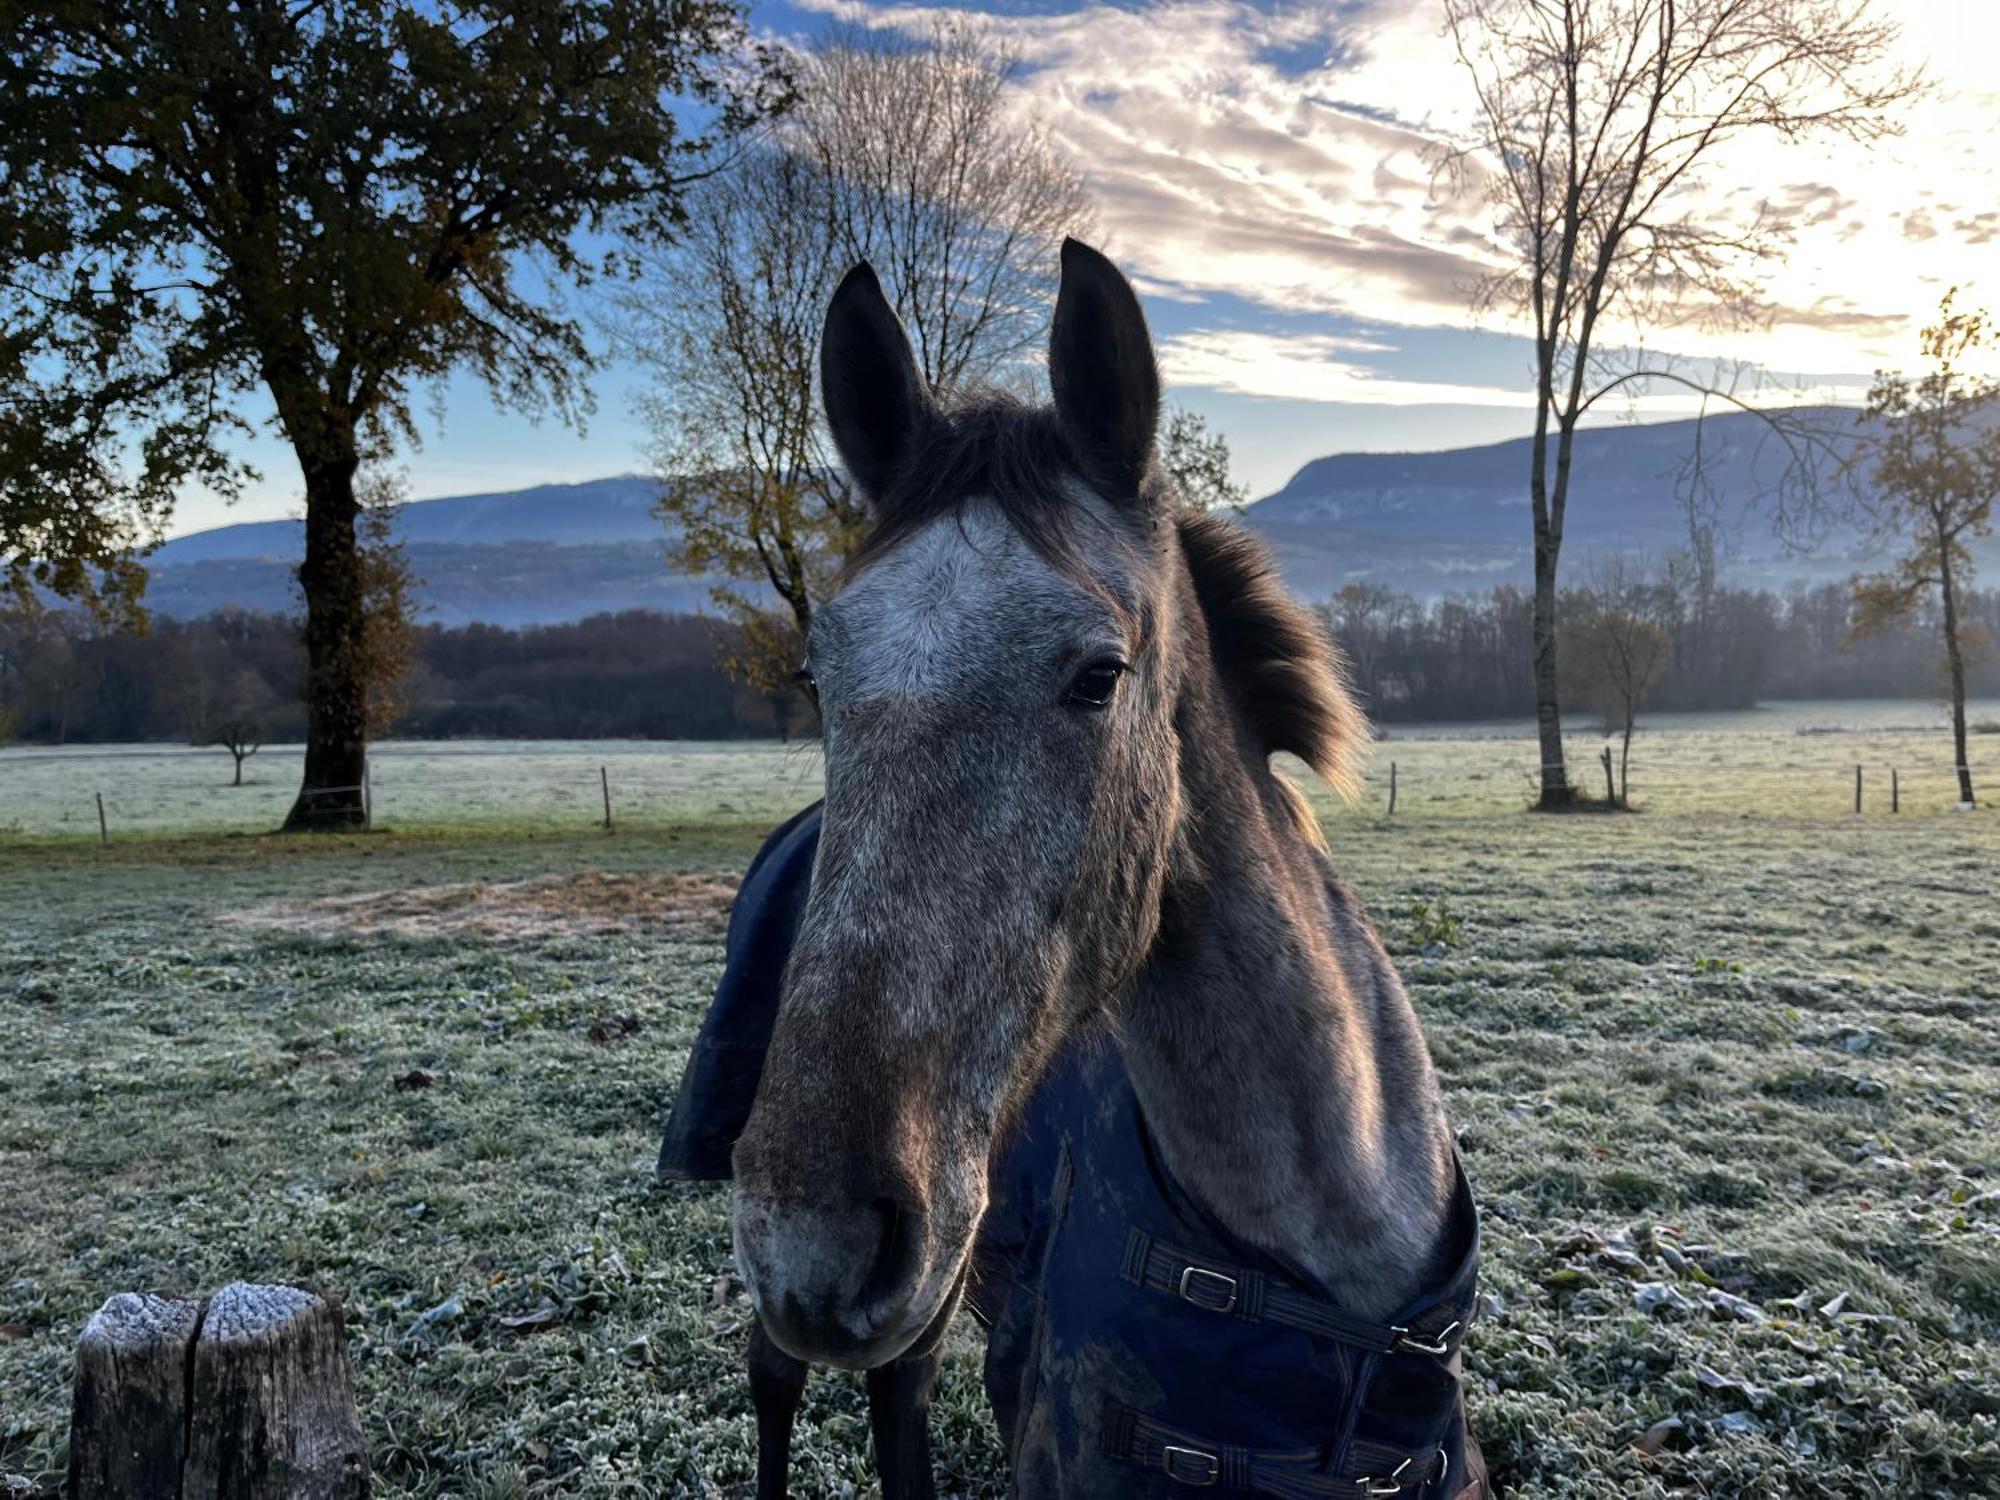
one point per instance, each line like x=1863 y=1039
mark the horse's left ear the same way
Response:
x=1101 y=368
x=876 y=401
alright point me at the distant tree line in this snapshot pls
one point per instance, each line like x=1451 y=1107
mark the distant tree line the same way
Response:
x=232 y=679
x=1466 y=656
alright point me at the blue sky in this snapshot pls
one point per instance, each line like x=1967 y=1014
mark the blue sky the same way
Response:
x=1261 y=171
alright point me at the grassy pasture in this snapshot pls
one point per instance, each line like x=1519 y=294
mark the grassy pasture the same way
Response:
x=1727 y=1078
x=1795 y=760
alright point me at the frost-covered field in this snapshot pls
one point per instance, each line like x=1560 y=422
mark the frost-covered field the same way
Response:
x=1795 y=759
x=527 y=785
x=1728 y=1082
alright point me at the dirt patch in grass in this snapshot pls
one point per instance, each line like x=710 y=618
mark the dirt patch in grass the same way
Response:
x=586 y=904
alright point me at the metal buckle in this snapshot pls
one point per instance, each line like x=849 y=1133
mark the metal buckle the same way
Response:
x=1208 y=1279
x=1208 y=1474
x=1393 y=1485
x=1411 y=1343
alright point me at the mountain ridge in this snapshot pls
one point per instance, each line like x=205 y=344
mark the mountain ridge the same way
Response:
x=1426 y=523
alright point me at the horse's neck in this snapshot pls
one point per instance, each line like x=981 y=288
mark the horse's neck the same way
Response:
x=1279 y=1063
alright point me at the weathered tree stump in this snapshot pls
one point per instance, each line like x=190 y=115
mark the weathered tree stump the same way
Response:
x=128 y=1423
x=245 y=1396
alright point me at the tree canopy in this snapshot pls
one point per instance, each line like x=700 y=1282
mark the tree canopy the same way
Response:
x=332 y=205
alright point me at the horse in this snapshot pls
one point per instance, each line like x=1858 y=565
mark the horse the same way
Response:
x=1078 y=1023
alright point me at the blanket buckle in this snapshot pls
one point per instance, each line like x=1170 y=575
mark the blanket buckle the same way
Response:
x=1409 y=1342
x=1192 y=1467
x=1392 y=1484
x=1208 y=1289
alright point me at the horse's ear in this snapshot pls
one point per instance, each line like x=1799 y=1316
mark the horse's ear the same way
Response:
x=1101 y=368
x=876 y=401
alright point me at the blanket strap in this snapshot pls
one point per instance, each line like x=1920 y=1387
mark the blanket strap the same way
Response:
x=1194 y=1462
x=1255 y=1297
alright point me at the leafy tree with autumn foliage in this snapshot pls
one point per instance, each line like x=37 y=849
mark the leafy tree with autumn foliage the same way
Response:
x=1936 y=467
x=330 y=205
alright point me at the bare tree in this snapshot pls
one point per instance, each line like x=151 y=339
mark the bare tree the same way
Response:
x=237 y=716
x=1615 y=651
x=1937 y=475
x=1361 y=618
x=750 y=490
x=1597 y=122
x=956 y=203
x=900 y=152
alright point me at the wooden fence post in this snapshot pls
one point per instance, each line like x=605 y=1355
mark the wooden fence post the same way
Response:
x=604 y=775
x=367 y=790
x=103 y=829
x=1392 y=789
x=1857 y=789
x=1610 y=786
x=246 y=1396
x=1895 y=792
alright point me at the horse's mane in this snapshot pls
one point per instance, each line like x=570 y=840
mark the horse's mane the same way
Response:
x=1272 y=654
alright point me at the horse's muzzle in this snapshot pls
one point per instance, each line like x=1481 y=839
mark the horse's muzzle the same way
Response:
x=839 y=1284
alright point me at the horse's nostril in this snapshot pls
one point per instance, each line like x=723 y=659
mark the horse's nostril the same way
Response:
x=896 y=1252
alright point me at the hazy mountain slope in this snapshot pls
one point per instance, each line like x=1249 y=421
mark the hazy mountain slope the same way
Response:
x=1429 y=523
x=618 y=509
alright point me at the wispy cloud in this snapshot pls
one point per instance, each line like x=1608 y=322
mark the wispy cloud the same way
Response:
x=1282 y=156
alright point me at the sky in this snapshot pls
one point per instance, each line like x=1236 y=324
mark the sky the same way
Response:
x=1263 y=172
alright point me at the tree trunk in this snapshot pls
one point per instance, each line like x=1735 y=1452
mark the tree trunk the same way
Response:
x=1625 y=766
x=336 y=682
x=244 y=1397
x=1556 y=789
x=239 y=767
x=1955 y=659
x=270 y=1403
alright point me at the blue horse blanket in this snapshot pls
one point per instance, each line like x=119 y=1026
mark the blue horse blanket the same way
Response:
x=1135 y=1347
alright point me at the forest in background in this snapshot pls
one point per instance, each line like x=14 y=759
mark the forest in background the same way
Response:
x=642 y=675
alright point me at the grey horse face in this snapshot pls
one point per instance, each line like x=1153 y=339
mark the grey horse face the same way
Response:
x=1001 y=789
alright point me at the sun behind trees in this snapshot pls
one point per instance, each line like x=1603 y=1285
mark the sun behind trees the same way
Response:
x=327 y=207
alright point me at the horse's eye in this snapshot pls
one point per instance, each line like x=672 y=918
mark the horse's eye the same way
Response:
x=1095 y=684
x=803 y=678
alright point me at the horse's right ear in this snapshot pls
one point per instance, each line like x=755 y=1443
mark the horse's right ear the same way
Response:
x=1102 y=372
x=876 y=400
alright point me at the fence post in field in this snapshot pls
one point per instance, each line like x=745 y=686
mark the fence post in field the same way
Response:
x=1610 y=786
x=1857 y=789
x=1392 y=789
x=244 y=1396
x=1895 y=792
x=368 y=791
x=604 y=775
x=103 y=829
